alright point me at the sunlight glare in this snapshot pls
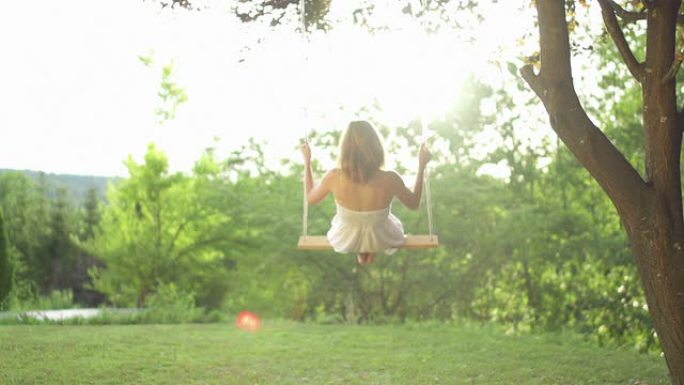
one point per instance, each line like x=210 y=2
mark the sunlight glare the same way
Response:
x=243 y=80
x=406 y=73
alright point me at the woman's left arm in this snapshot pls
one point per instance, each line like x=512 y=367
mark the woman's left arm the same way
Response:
x=315 y=194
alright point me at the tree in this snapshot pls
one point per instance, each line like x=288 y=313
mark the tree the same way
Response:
x=650 y=206
x=6 y=268
x=91 y=215
x=27 y=210
x=137 y=229
x=166 y=228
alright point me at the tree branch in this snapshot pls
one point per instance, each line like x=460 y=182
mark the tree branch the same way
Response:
x=674 y=68
x=527 y=73
x=626 y=15
x=615 y=32
x=631 y=17
x=554 y=86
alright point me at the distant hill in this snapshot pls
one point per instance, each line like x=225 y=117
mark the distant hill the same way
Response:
x=77 y=185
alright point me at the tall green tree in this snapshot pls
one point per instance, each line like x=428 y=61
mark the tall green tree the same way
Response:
x=92 y=215
x=649 y=205
x=166 y=228
x=27 y=214
x=6 y=267
x=61 y=254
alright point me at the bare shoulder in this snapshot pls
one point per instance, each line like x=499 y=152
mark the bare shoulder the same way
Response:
x=390 y=174
x=331 y=176
x=333 y=173
x=391 y=178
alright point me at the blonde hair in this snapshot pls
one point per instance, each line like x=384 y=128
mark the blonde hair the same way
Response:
x=361 y=152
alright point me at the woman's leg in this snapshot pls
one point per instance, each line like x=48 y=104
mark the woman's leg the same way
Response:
x=365 y=258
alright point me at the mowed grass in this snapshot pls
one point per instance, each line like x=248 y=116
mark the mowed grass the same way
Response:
x=292 y=353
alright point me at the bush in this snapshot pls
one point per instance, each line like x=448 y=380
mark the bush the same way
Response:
x=58 y=299
x=171 y=305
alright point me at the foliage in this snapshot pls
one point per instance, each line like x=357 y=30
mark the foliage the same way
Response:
x=91 y=215
x=170 y=305
x=56 y=300
x=157 y=230
x=171 y=95
x=314 y=11
x=42 y=223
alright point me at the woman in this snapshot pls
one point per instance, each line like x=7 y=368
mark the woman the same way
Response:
x=363 y=194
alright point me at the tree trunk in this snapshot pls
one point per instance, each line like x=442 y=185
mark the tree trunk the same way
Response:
x=660 y=262
x=650 y=209
x=531 y=292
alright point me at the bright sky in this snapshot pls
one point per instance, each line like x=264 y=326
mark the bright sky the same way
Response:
x=74 y=98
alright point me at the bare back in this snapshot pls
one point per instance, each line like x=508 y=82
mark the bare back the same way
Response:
x=376 y=194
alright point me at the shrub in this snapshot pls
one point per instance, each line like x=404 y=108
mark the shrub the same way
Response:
x=171 y=305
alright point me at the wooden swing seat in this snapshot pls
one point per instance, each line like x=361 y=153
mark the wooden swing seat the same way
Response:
x=320 y=242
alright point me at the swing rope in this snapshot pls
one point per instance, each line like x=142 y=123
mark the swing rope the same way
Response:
x=426 y=180
x=428 y=203
x=423 y=129
x=305 y=213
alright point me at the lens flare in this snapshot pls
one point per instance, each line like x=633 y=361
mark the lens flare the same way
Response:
x=248 y=321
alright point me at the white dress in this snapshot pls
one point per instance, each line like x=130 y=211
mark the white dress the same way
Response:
x=365 y=231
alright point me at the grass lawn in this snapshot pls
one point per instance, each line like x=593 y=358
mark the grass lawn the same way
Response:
x=291 y=353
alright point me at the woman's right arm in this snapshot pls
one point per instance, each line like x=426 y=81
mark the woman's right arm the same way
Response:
x=411 y=199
